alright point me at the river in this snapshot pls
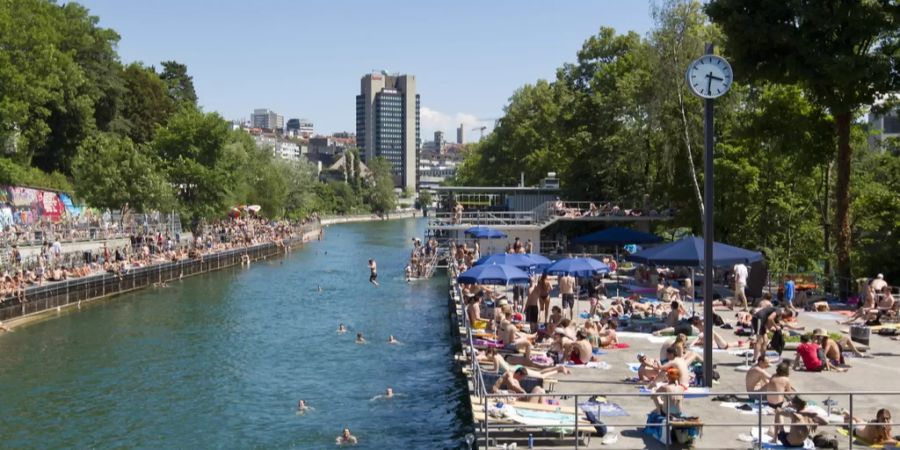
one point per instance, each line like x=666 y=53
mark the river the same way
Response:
x=220 y=360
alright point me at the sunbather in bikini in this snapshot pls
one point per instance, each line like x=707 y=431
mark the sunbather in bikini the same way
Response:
x=875 y=433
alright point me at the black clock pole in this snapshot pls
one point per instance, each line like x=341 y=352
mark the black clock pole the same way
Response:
x=708 y=241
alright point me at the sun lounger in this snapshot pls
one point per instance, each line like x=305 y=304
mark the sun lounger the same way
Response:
x=534 y=416
x=527 y=383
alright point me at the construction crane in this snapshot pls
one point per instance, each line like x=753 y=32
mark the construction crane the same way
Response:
x=483 y=127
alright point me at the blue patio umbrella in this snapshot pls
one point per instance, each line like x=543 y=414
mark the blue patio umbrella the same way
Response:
x=616 y=236
x=497 y=274
x=520 y=260
x=480 y=232
x=688 y=252
x=539 y=259
x=579 y=267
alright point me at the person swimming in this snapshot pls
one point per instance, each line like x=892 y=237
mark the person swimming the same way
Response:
x=341 y=329
x=388 y=394
x=303 y=408
x=392 y=340
x=360 y=339
x=346 y=438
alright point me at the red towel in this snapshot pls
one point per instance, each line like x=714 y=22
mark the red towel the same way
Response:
x=622 y=345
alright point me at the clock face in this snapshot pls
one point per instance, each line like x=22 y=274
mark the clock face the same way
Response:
x=710 y=76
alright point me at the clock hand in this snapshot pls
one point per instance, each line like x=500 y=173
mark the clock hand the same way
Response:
x=716 y=78
x=709 y=78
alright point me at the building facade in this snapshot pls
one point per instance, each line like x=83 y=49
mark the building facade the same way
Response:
x=387 y=124
x=267 y=120
x=280 y=147
x=459 y=135
x=885 y=126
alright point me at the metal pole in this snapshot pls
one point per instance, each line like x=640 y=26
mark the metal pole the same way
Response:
x=708 y=242
x=850 y=422
x=576 y=423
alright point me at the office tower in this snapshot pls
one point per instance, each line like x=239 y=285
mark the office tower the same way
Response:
x=387 y=124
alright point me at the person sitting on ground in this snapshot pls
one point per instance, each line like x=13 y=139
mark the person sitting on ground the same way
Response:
x=778 y=384
x=560 y=345
x=873 y=434
x=757 y=378
x=474 y=309
x=813 y=357
x=582 y=352
x=346 y=438
x=675 y=359
x=555 y=318
x=676 y=389
x=676 y=311
x=607 y=338
x=803 y=424
x=834 y=350
x=680 y=340
x=649 y=368
x=515 y=340
x=510 y=381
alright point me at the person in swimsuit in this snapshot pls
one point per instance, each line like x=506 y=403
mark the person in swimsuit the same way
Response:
x=360 y=339
x=544 y=287
x=392 y=340
x=341 y=329
x=346 y=438
x=510 y=382
x=873 y=434
x=673 y=386
x=778 y=383
x=373 y=272
x=302 y=407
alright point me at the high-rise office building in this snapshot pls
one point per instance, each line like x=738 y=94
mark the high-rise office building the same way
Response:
x=459 y=134
x=267 y=120
x=387 y=124
x=300 y=128
x=439 y=139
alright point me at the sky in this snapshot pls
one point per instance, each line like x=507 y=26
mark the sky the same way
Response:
x=305 y=59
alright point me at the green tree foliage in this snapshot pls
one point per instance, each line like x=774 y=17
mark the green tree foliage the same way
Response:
x=179 y=84
x=381 y=196
x=843 y=53
x=619 y=125
x=110 y=171
x=146 y=104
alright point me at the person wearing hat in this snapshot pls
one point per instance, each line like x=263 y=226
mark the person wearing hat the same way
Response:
x=834 y=350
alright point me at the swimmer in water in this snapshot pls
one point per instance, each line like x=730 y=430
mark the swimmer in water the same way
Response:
x=388 y=394
x=360 y=339
x=342 y=329
x=318 y=288
x=346 y=438
x=373 y=272
x=392 y=340
x=303 y=408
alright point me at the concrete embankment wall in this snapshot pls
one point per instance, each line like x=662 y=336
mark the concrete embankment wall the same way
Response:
x=40 y=299
x=370 y=217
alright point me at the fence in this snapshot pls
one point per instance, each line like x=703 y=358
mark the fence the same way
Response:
x=486 y=425
x=62 y=293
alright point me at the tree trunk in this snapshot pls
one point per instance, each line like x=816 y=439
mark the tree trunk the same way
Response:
x=842 y=212
x=826 y=219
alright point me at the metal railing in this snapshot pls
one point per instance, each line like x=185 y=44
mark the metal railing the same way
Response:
x=486 y=425
x=472 y=218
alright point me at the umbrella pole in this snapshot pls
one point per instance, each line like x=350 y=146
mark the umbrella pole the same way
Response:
x=693 y=294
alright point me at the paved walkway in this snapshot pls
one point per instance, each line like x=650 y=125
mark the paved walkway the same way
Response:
x=879 y=374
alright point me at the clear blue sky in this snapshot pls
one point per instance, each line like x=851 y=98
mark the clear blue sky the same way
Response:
x=305 y=58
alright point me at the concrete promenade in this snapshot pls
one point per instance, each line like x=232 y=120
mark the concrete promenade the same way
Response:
x=879 y=375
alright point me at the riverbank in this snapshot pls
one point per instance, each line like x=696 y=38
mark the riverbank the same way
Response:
x=49 y=299
x=404 y=214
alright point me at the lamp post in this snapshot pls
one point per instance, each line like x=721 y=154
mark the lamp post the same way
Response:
x=708 y=77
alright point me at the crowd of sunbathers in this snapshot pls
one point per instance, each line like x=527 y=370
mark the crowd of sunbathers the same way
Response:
x=52 y=264
x=535 y=341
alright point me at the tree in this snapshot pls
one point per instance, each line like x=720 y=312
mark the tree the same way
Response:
x=179 y=84
x=381 y=195
x=110 y=171
x=147 y=104
x=843 y=52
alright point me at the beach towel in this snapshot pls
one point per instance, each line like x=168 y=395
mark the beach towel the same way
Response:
x=620 y=345
x=857 y=442
x=602 y=365
x=749 y=408
x=634 y=367
x=603 y=409
x=771 y=443
x=486 y=343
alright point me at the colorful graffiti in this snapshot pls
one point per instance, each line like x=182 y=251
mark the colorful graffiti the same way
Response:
x=24 y=206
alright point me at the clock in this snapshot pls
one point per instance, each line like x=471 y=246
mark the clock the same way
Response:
x=710 y=76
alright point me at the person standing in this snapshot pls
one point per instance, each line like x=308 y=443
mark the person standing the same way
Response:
x=544 y=288
x=567 y=292
x=740 y=285
x=789 y=289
